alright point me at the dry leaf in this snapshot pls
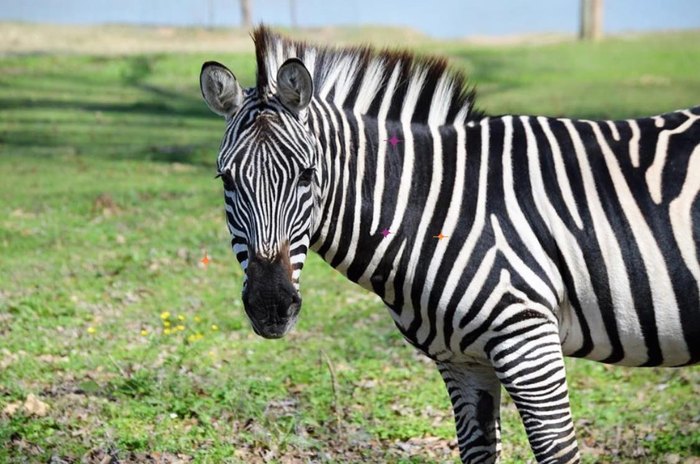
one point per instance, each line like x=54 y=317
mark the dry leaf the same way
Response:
x=35 y=407
x=11 y=409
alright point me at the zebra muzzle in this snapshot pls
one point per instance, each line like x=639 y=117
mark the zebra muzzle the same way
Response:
x=270 y=300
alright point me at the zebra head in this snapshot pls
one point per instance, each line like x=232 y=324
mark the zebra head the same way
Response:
x=266 y=162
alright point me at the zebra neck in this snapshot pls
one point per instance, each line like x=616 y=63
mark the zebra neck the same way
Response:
x=380 y=182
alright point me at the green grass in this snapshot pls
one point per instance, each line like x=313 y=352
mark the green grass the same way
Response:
x=107 y=203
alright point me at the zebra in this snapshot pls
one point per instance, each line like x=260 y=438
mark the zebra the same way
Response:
x=499 y=244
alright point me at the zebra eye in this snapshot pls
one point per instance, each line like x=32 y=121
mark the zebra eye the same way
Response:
x=227 y=178
x=306 y=177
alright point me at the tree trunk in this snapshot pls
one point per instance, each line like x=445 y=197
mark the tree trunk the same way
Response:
x=246 y=21
x=591 y=26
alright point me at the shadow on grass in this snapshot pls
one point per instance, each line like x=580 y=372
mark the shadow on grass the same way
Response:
x=182 y=108
x=106 y=108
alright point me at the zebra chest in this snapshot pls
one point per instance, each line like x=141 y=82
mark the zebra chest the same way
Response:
x=431 y=330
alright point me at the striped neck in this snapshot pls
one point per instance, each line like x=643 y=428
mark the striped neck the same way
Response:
x=372 y=175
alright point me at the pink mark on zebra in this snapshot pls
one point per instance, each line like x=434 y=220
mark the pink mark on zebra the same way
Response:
x=394 y=141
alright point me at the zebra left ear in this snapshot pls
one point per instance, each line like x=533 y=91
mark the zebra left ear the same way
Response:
x=294 y=85
x=220 y=89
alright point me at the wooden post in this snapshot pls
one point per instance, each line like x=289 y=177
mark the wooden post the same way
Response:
x=591 y=25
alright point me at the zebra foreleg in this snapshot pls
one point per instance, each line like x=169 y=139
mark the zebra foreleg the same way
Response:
x=529 y=363
x=476 y=398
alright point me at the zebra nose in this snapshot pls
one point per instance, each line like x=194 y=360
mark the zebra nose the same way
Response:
x=269 y=294
x=268 y=305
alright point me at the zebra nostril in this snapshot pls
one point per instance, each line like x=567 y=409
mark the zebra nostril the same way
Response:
x=288 y=306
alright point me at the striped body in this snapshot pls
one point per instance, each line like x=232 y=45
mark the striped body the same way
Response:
x=571 y=218
x=499 y=244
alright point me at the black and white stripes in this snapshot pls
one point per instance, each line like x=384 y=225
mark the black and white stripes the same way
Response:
x=499 y=244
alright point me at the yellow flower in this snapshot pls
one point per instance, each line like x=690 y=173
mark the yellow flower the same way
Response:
x=166 y=331
x=214 y=327
x=166 y=323
x=197 y=319
x=91 y=330
x=181 y=317
x=164 y=315
x=180 y=327
x=144 y=332
x=194 y=337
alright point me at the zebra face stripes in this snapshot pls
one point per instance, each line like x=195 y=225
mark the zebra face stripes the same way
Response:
x=561 y=237
x=266 y=162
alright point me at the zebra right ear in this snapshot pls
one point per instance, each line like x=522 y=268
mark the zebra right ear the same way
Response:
x=220 y=89
x=294 y=85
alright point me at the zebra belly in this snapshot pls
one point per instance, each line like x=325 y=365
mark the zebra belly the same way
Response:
x=626 y=307
x=635 y=353
x=576 y=334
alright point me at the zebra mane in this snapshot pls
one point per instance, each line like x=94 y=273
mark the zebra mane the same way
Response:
x=357 y=78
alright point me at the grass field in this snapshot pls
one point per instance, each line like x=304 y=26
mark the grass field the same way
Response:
x=115 y=341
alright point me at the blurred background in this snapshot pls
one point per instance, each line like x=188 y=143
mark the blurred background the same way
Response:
x=120 y=342
x=447 y=19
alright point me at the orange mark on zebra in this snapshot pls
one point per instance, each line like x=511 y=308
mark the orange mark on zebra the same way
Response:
x=440 y=236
